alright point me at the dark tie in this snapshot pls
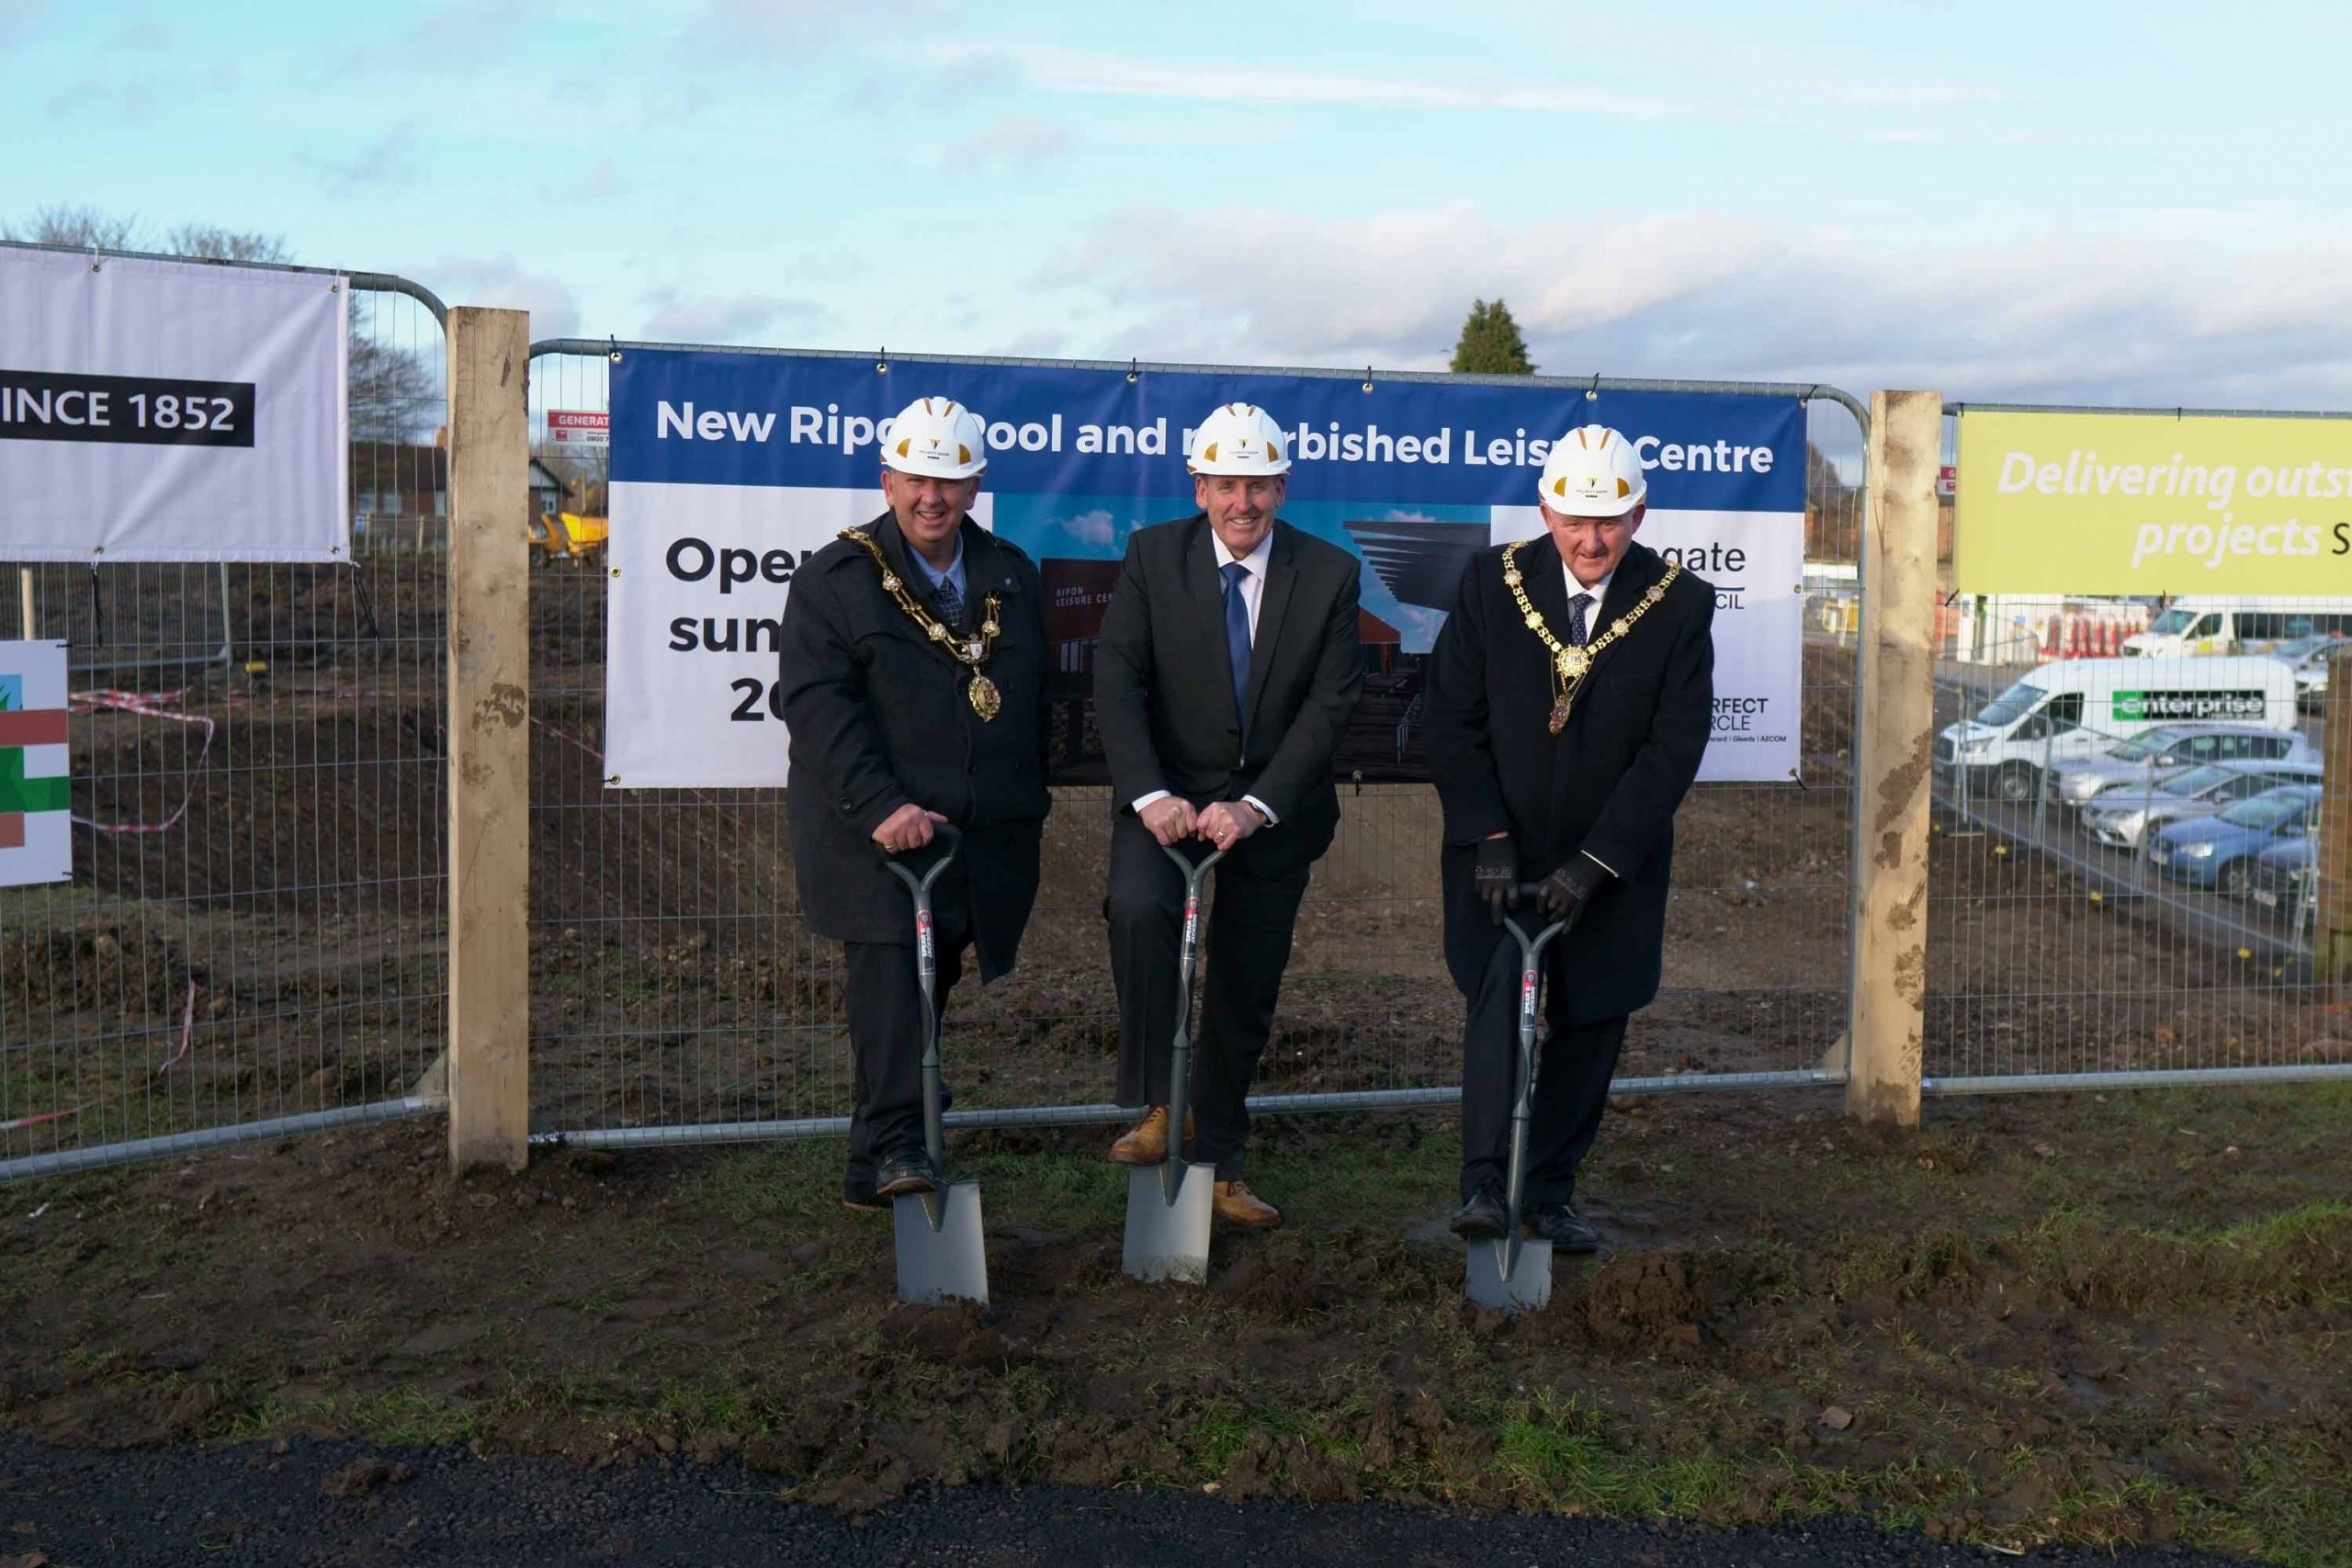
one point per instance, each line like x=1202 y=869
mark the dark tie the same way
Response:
x=1577 y=631
x=951 y=603
x=1237 y=637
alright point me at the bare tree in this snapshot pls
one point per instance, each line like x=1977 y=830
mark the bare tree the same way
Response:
x=205 y=243
x=78 y=226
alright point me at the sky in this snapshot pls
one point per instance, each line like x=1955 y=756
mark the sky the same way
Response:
x=2080 y=202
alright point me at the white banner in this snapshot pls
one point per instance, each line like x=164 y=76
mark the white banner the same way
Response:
x=1756 y=563
x=705 y=569
x=171 y=411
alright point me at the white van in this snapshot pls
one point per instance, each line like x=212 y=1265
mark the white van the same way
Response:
x=2066 y=712
x=2192 y=626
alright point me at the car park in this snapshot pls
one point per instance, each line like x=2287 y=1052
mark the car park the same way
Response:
x=2156 y=755
x=2068 y=712
x=2221 y=851
x=2122 y=816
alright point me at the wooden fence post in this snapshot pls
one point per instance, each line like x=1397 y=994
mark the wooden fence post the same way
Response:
x=490 y=781
x=1893 y=760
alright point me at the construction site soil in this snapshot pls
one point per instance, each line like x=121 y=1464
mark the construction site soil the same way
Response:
x=2056 y=1318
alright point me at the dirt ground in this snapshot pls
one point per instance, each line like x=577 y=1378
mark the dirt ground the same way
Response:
x=2052 y=1318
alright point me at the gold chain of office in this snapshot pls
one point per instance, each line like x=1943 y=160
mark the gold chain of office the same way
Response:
x=1571 y=664
x=970 y=652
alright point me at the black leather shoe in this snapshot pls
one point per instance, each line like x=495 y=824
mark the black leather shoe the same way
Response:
x=857 y=1192
x=1484 y=1218
x=905 y=1175
x=1562 y=1226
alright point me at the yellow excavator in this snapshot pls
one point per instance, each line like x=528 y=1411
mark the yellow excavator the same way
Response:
x=566 y=536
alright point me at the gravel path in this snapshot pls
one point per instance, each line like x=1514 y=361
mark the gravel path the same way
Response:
x=342 y=1504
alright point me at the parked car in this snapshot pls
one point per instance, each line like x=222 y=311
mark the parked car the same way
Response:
x=2068 y=712
x=2308 y=657
x=2284 y=873
x=2158 y=754
x=2207 y=625
x=2123 y=814
x=2219 y=851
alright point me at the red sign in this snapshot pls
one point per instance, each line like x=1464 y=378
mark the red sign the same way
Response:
x=584 y=426
x=1947 y=480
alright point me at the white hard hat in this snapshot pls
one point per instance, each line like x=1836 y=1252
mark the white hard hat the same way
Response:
x=937 y=437
x=1240 y=438
x=1592 y=472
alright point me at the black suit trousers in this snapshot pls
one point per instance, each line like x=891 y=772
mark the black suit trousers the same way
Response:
x=1244 y=950
x=1574 y=1064
x=884 y=1008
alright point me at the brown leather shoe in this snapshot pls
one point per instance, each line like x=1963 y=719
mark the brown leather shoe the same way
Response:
x=1237 y=1205
x=1147 y=1141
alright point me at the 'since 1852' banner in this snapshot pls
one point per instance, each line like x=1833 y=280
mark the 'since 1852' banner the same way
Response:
x=730 y=469
x=171 y=411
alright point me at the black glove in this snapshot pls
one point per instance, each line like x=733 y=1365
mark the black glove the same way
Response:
x=1567 y=890
x=1495 y=876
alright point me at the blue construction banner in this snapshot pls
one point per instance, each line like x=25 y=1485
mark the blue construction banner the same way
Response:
x=730 y=468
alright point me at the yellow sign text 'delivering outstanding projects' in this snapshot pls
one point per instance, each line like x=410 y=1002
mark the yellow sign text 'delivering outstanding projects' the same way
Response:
x=2134 y=503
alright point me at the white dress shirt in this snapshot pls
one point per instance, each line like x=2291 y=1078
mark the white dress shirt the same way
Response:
x=1253 y=590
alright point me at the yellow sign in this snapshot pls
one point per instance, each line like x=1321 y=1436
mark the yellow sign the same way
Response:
x=2151 y=504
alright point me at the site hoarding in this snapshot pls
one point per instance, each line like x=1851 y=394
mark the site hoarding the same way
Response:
x=2139 y=503
x=732 y=469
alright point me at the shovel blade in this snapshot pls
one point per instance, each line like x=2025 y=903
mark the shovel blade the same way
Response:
x=1168 y=1241
x=947 y=1265
x=1526 y=1289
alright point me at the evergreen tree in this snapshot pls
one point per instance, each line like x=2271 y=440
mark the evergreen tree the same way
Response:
x=1490 y=343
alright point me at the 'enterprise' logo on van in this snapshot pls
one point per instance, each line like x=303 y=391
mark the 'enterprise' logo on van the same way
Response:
x=2148 y=706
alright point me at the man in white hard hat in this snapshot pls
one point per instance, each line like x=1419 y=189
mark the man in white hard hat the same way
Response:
x=912 y=673
x=1228 y=666
x=1569 y=698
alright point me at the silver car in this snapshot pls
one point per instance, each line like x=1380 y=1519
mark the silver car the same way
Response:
x=2308 y=657
x=2123 y=816
x=2155 y=755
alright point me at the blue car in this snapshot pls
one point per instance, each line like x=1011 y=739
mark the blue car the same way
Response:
x=2220 y=852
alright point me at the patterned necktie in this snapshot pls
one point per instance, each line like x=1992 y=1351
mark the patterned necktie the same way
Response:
x=1237 y=637
x=951 y=603
x=1577 y=632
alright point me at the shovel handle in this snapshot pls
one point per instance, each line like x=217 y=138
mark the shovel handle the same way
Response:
x=1180 y=1064
x=947 y=839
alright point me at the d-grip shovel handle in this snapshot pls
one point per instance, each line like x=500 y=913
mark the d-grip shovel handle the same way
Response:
x=1180 y=1063
x=946 y=840
x=1531 y=960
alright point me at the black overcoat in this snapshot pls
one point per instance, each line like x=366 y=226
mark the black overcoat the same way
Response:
x=880 y=718
x=1163 y=683
x=1608 y=784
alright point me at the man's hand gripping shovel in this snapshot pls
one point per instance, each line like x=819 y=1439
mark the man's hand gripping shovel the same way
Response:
x=943 y=1250
x=1169 y=1208
x=1513 y=1274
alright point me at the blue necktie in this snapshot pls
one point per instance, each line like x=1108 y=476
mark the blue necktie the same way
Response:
x=951 y=603
x=1237 y=638
x=1577 y=631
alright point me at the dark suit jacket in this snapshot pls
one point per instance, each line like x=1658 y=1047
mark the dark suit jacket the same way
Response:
x=1163 y=683
x=1608 y=784
x=880 y=718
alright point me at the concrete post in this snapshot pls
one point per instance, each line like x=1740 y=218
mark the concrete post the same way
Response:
x=1893 y=760
x=490 y=786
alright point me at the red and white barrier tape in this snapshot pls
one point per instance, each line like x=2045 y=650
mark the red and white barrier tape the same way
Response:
x=146 y=704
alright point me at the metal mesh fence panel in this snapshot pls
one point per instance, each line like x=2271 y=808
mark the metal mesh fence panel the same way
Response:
x=254 y=928
x=676 y=989
x=2131 y=801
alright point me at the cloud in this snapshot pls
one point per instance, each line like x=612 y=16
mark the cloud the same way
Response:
x=501 y=282
x=1111 y=75
x=392 y=158
x=2155 y=313
x=726 y=318
x=1097 y=528
x=1014 y=143
x=796 y=29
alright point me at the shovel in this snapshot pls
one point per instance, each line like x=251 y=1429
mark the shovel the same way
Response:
x=942 y=1251
x=1169 y=1209
x=1511 y=1274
